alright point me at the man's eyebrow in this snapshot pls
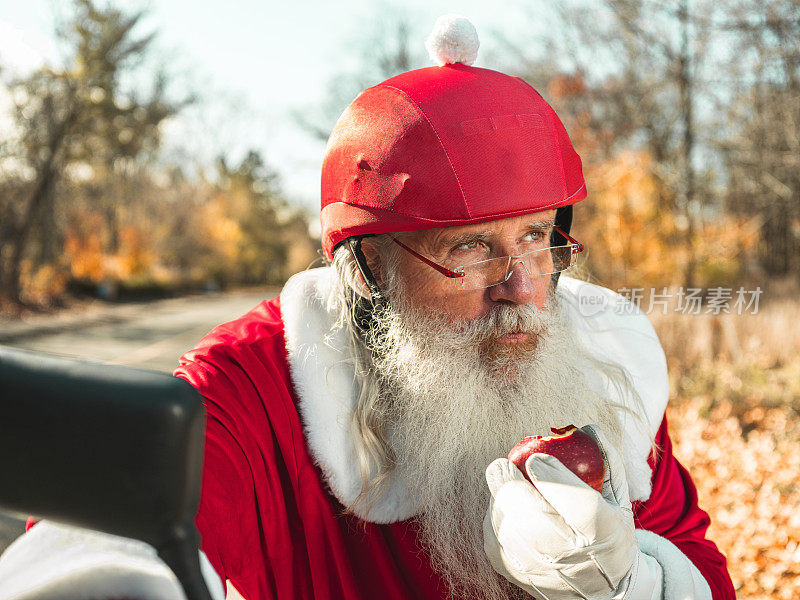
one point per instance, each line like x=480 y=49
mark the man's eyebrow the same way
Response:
x=542 y=224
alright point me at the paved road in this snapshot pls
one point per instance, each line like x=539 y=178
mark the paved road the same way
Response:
x=150 y=335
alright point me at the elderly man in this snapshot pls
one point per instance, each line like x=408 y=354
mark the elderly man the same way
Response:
x=356 y=424
x=353 y=423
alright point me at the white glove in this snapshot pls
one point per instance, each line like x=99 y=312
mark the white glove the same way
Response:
x=559 y=539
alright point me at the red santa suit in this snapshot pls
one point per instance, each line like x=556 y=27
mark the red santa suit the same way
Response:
x=280 y=464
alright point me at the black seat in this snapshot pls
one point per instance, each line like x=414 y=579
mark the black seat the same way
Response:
x=108 y=448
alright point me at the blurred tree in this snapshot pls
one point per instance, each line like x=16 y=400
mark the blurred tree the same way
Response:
x=675 y=81
x=640 y=64
x=238 y=229
x=77 y=122
x=252 y=201
x=761 y=141
x=630 y=232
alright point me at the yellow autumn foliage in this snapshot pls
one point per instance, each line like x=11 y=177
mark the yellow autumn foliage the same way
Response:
x=223 y=231
x=629 y=233
x=84 y=249
x=43 y=282
x=88 y=258
x=635 y=237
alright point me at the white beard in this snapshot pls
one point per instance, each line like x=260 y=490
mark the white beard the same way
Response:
x=457 y=401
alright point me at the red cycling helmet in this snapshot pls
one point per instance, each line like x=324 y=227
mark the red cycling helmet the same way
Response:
x=442 y=146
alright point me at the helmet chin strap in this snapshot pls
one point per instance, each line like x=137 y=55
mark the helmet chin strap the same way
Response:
x=365 y=307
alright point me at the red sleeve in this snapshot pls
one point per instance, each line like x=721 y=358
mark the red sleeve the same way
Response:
x=251 y=431
x=227 y=493
x=672 y=512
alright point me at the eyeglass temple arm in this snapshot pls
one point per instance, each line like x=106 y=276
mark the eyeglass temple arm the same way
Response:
x=570 y=239
x=430 y=263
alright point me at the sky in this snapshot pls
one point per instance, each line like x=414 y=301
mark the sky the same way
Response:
x=255 y=63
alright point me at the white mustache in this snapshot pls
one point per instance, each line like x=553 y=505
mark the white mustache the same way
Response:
x=502 y=320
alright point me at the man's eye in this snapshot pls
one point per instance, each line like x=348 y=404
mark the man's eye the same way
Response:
x=468 y=245
x=535 y=236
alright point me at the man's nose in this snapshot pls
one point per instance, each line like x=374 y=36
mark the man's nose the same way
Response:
x=521 y=287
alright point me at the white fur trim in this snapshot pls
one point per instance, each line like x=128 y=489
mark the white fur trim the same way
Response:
x=59 y=562
x=324 y=379
x=681 y=579
x=644 y=582
x=453 y=40
x=615 y=330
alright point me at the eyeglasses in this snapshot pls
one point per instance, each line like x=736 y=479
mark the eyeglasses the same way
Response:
x=492 y=271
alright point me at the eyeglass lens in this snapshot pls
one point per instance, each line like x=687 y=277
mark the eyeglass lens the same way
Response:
x=487 y=273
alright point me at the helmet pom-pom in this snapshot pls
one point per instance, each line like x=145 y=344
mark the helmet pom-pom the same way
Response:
x=453 y=40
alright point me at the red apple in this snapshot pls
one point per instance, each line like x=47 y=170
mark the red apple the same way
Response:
x=575 y=449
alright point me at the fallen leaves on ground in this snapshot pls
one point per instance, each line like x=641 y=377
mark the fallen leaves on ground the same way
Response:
x=744 y=456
